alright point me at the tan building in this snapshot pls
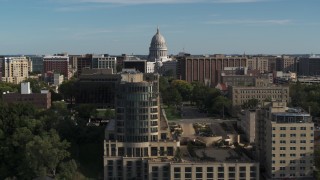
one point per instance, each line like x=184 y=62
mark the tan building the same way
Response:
x=264 y=64
x=240 y=95
x=286 y=64
x=289 y=142
x=15 y=69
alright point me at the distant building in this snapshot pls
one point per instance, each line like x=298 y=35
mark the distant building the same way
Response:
x=57 y=64
x=37 y=63
x=96 y=86
x=309 y=66
x=84 y=62
x=15 y=69
x=241 y=94
x=286 y=64
x=158 y=50
x=138 y=65
x=151 y=67
x=104 y=62
x=206 y=70
x=39 y=100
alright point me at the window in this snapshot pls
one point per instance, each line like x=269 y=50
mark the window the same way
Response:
x=232 y=169
x=221 y=169
x=282 y=128
x=302 y=168
x=292 y=141
x=282 y=141
x=198 y=169
x=292 y=148
x=209 y=169
x=292 y=161
x=292 y=155
x=303 y=128
x=292 y=128
x=302 y=161
x=282 y=135
x=177 y=169
x=282 y=161
x=292 y=135
x=302 y=155
x=302 y=141
x=303 y=135
x=282 y=148
x=302 y=148
x=273 y=128
x=273 y=135
x=282 y=168
x=282 y=155
x=292 y=168
x=242 y=168
x=187 y=169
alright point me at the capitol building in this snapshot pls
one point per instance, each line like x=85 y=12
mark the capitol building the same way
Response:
x=158 y=50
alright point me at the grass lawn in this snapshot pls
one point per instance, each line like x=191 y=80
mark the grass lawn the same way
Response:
x=172 y=113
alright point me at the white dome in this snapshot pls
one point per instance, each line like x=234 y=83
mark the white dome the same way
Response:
x=158 y=40
x=158 y=47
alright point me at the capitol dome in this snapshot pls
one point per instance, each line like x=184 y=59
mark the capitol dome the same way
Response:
x=158 y=48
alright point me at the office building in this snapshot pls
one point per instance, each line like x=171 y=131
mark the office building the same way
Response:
x=206 y=70
x=57 y=64
x=104 y=62
x=97 y=87
x=15 y=69
x=286 y=64
x=309 y=66
x=241 y=94
x=83 y=62
x=138 y=65
x=37 y=63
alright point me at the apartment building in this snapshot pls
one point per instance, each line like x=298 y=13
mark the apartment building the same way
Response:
x=15 y=69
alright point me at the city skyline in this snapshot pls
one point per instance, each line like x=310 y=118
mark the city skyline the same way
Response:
x=193 y=26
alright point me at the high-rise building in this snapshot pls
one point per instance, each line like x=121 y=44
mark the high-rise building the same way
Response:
x=37 y=63
x=84 y=62
x=286 y=64
x=15 y=69
x=288 y=146
x=139 y=145
x=309 y=66
x=57 y=64
x=96 y=86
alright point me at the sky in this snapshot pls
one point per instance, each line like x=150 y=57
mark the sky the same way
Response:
x=126 y=26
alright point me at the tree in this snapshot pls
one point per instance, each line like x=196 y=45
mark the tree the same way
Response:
x=44 y=153
x=251 y=104
x=199 y=93
x=184 y=88
x=68 y=90
x=173 y=97
x=36 y=85
x=27 y=149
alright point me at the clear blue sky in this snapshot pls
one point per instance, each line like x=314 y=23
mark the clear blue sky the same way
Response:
x=127 y=26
